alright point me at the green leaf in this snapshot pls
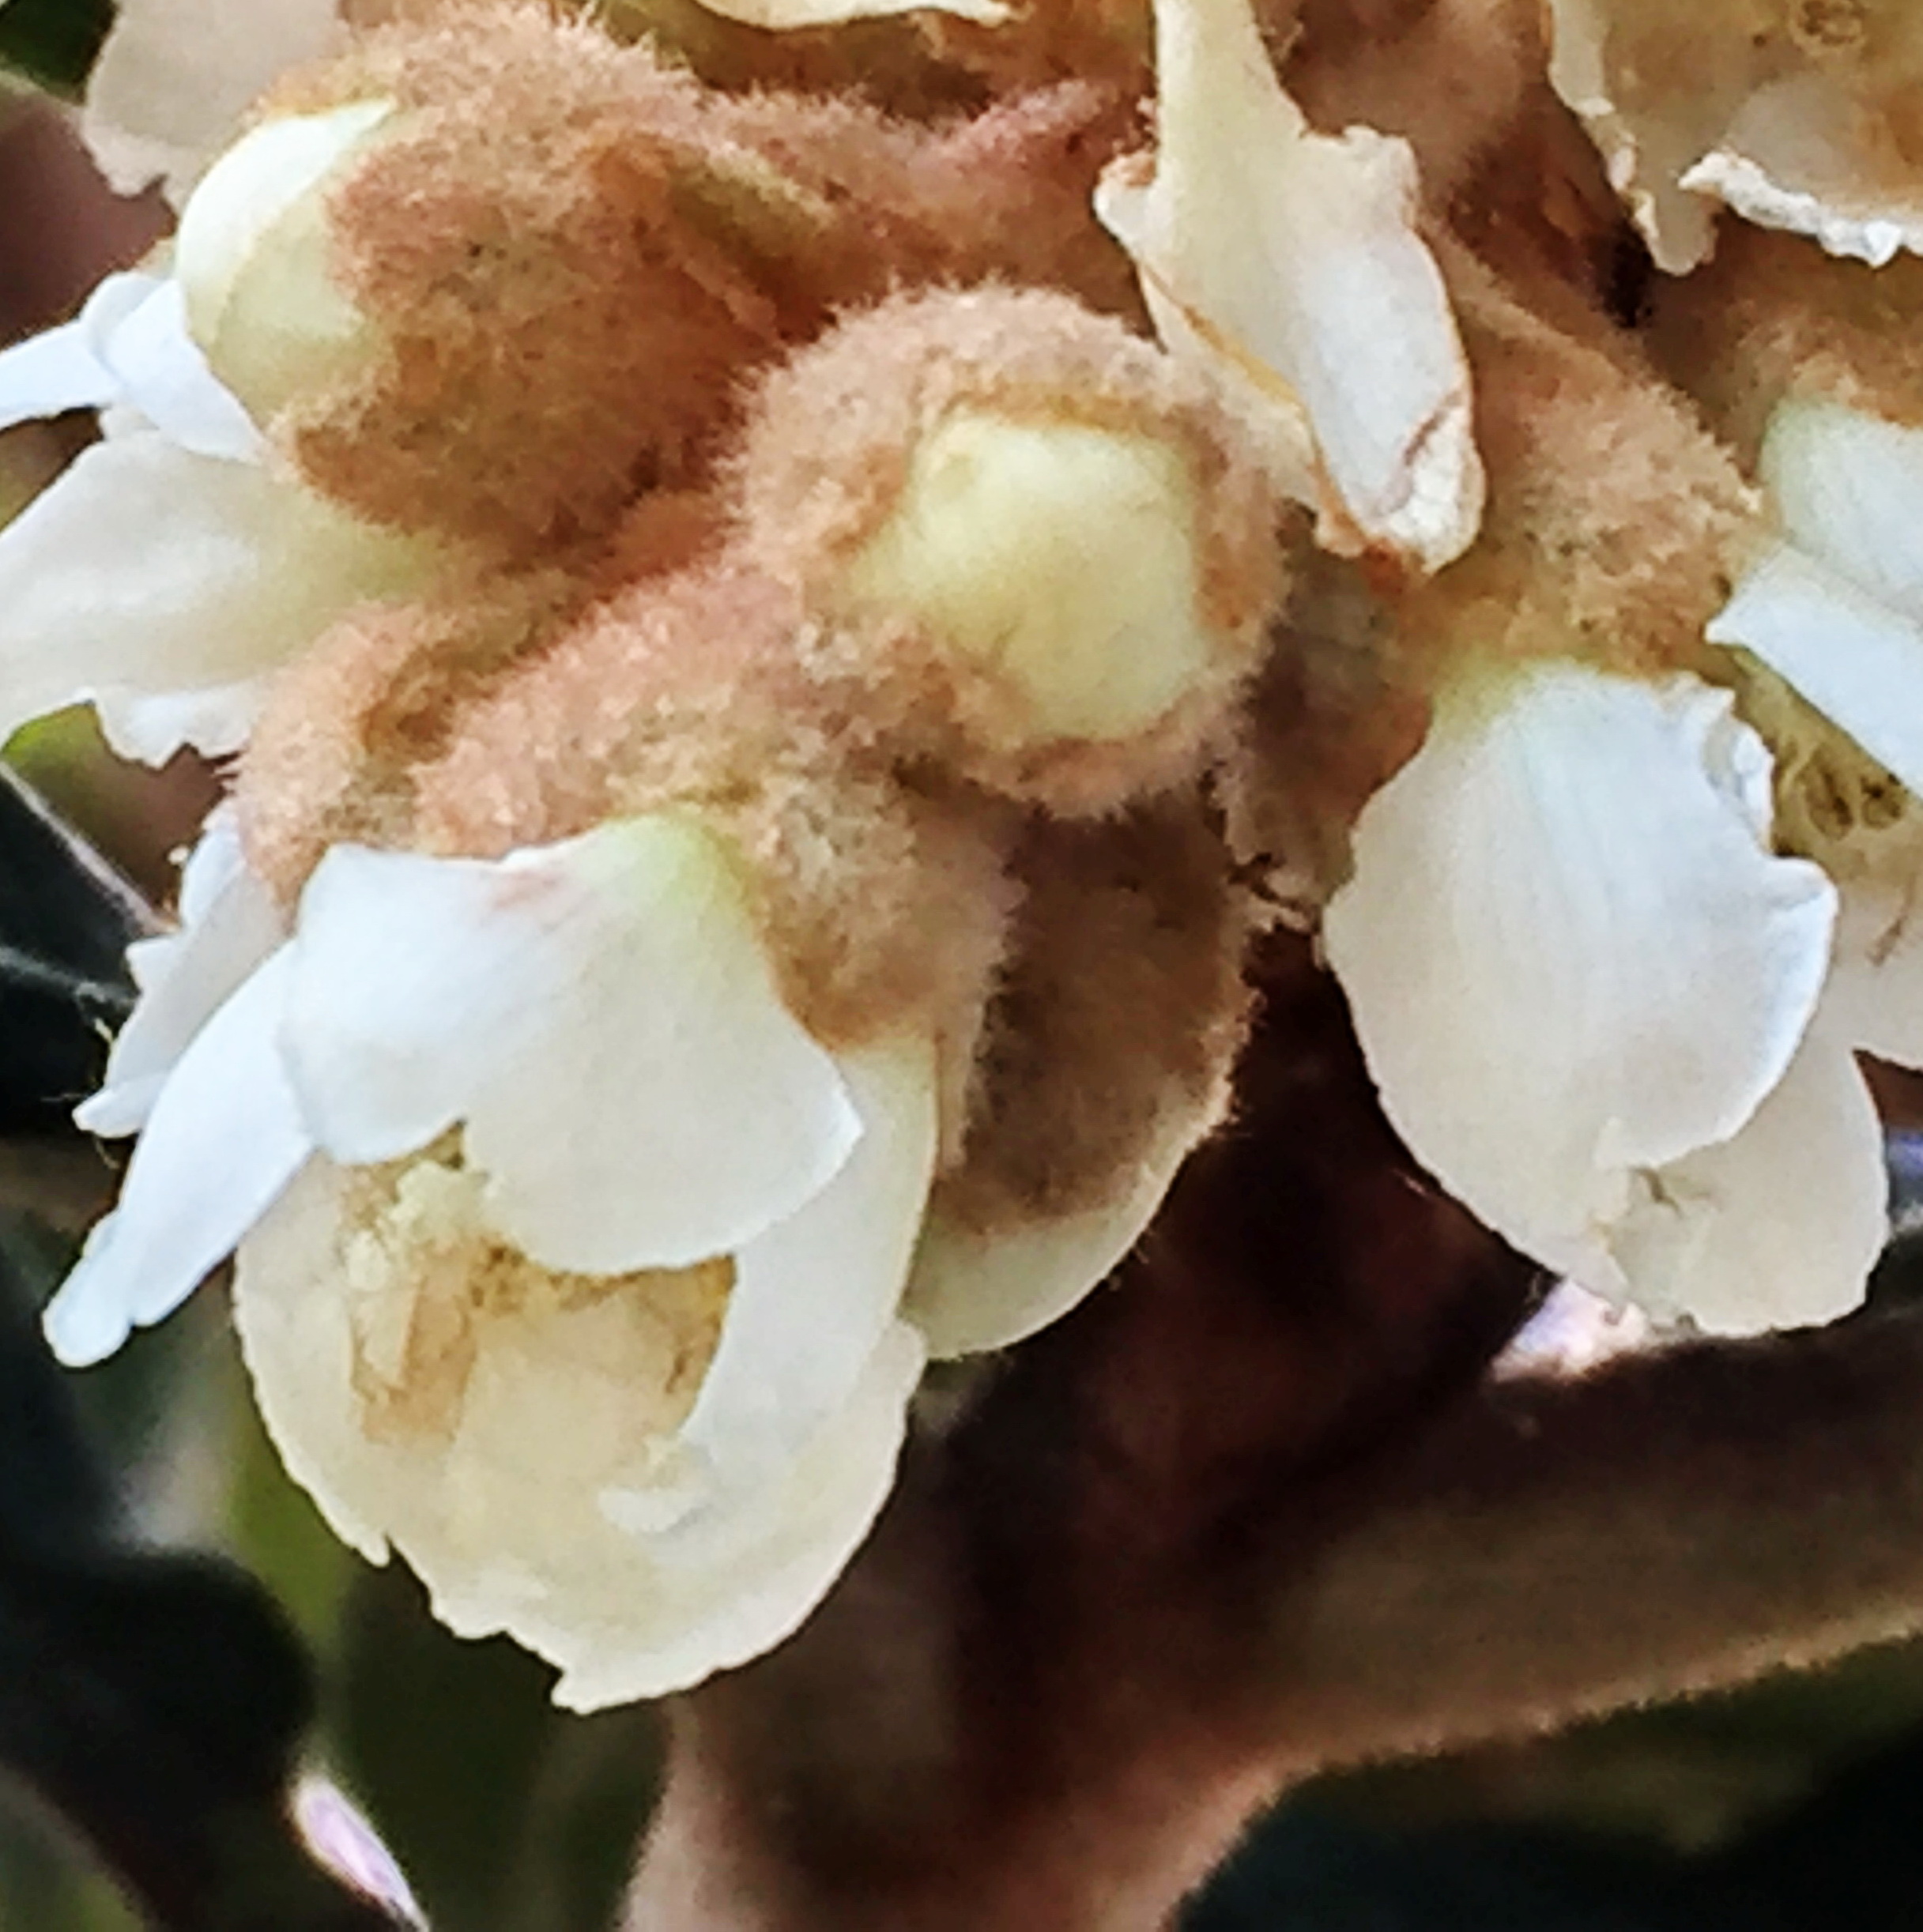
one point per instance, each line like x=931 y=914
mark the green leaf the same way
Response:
x=53 y=42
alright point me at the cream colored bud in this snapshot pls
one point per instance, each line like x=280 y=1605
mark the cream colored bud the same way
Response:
x=1062 y=557
x=252 y=257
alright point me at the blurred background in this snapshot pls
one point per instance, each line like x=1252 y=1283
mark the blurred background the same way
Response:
x=213 y=1716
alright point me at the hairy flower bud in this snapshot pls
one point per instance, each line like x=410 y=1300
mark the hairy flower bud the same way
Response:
x=1021 y=529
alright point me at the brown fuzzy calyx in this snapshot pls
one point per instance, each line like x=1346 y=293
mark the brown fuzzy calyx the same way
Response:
x=1615 y=524
x=1123 y=996
x=1772 y=317
x=567 y=253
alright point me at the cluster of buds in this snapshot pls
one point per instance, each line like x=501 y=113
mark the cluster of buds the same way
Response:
x=786 y=610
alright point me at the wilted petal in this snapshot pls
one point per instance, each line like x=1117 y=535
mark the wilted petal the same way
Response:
x=601 y=1015
x=229 y=926
x=1796 y=157
x=815 y=1294
x=972 y=1291
x=224 y=1138
x=147 y=570
x=175 y=75
x=1796 y=121
x=1569 y=952
x=1653 y=96
x=1287 y=264
x=1838 y=222
x=1777 y=1227
x=517 y=1524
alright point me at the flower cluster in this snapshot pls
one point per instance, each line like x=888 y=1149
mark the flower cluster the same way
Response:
x=786 y=609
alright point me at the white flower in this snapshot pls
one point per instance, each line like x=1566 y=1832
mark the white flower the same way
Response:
x=174 y=565
x=1835 y=610
x=1801 y=121
x=1287 y=265
x=569 y=1262
x=1592 y=997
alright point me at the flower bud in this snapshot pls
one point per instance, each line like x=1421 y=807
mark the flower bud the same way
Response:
x=252 y=257
x=1042 y=555
x=1060 y=558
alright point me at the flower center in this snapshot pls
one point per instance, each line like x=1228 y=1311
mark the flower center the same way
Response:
x=435 y=1296
x=1834 y=803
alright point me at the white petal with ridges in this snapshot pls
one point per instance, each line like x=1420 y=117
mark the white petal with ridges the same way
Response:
x=814 y=1295
x=601 y=1015
x=224 y=1138
x=1568 y=950
x=229 y=926
x=1287 y=265
x=1849 y=488
x=147 y=570
x=1777 y=1227
x=973 y=1291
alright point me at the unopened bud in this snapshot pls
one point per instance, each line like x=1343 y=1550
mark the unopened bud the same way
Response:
x=1042 y=551
x=252 y=257
x=1060 y=557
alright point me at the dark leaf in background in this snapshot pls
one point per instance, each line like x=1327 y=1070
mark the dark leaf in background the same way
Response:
x=156 y=1701
x=65 y=919
x=53 y=42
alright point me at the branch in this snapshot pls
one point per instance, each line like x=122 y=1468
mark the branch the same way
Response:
x=1258 y=1512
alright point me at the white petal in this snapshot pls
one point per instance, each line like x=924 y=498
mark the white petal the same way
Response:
x=1287 y=264
x=1848 y=487
x=230 y=924
x=144 y=569
x=51 y=373
x=1778 y=1227
x=149 y=727
x=814 y=1295
x=519 y=1529
x=160 y=370
x=175 y=75
x=224 y=1137
x=1874 y=1000
x=971 y=1291
x=602 y=1015
x=1858 y=660
x=1569 y=953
